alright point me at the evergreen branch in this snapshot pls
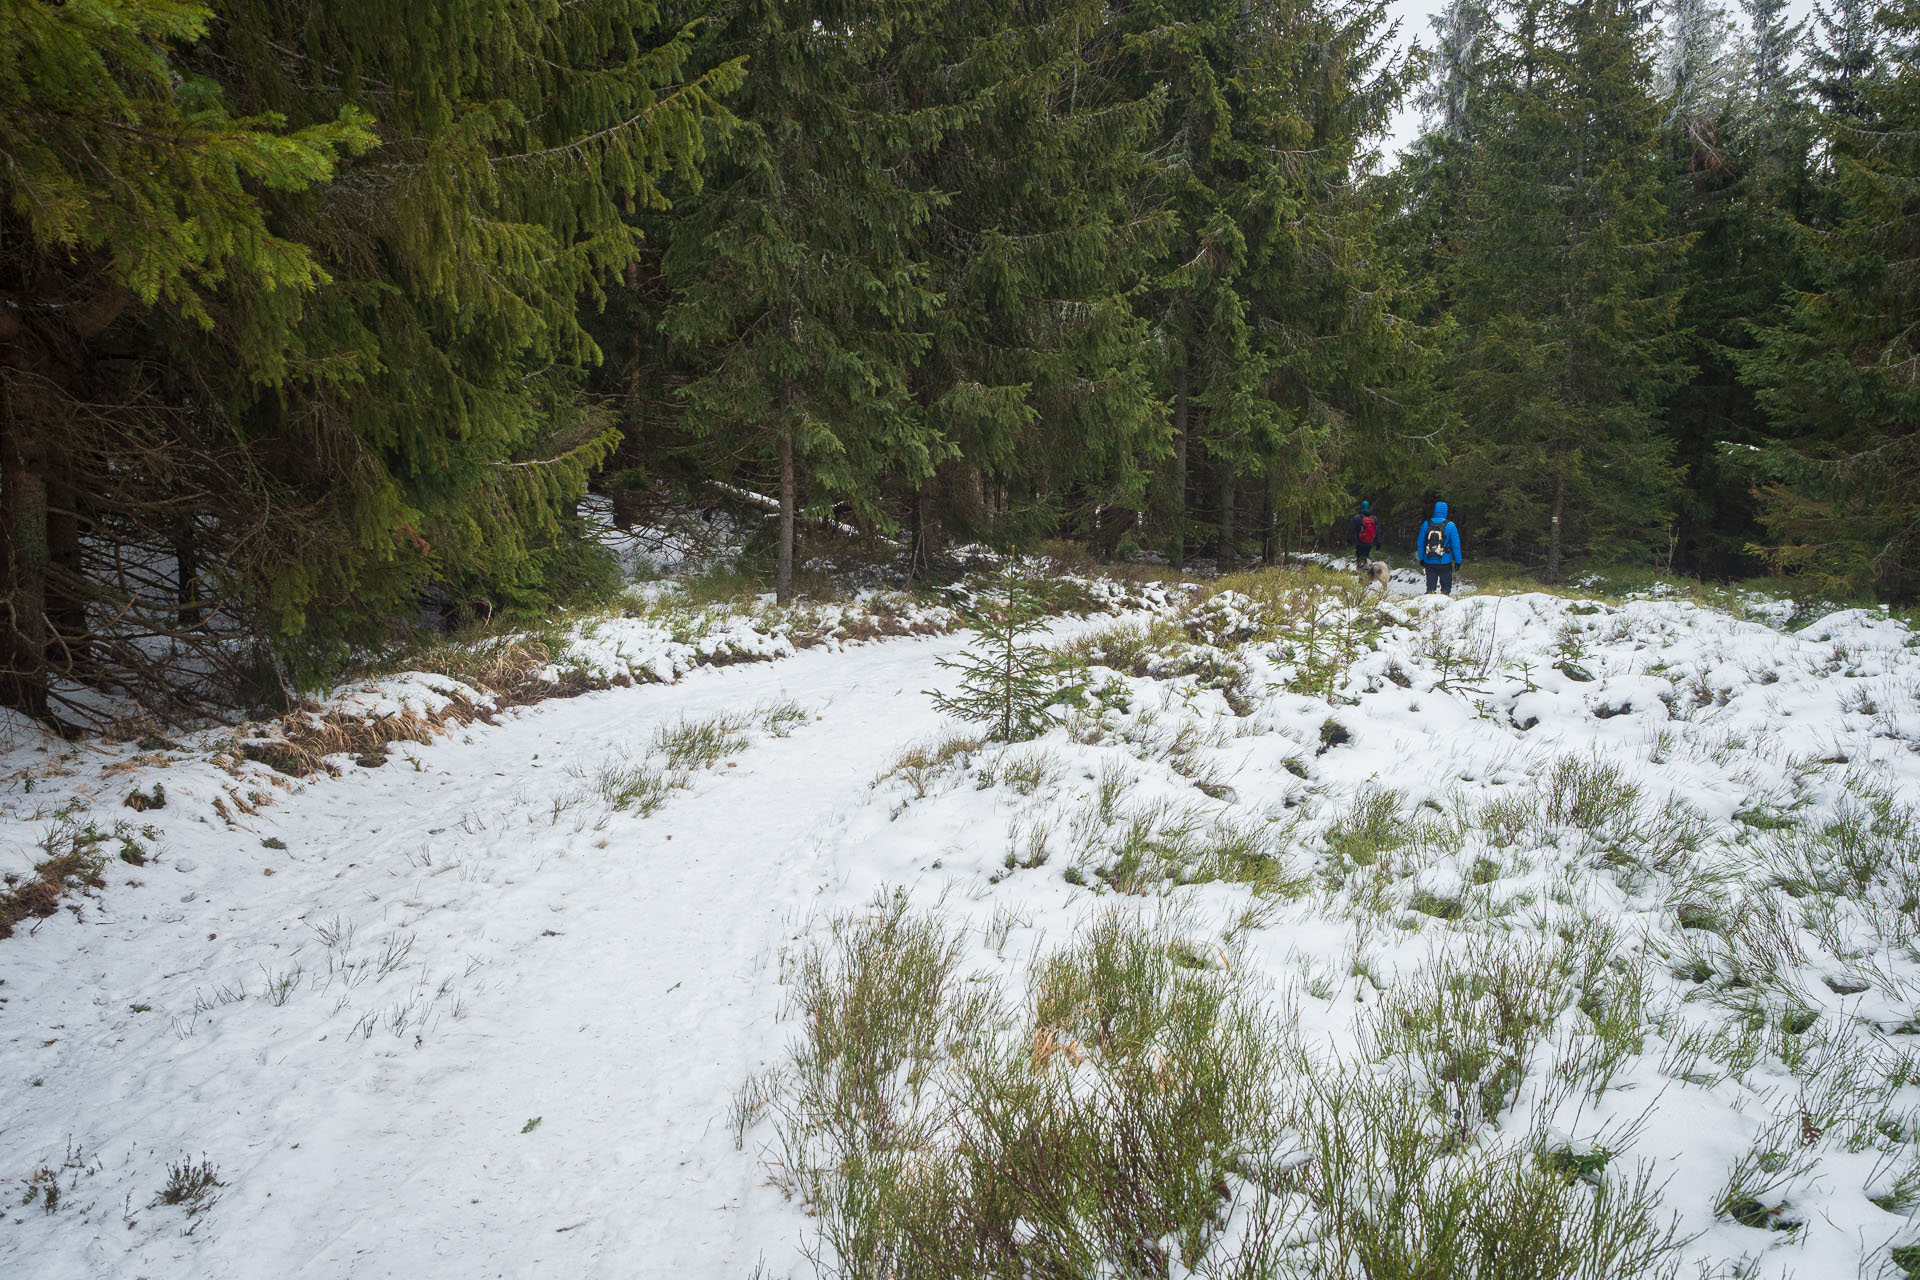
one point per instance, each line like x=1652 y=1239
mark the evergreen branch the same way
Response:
x=694 y=97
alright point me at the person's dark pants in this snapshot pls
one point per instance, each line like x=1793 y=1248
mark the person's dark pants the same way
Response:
x=1362 y=552
x=1440 y=578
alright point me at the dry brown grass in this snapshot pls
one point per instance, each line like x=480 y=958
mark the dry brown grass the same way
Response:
x=513 y=669
x=869 y=627
x=132 y=764
x=1049 y=1043
x=298 y=744
x=76 y=866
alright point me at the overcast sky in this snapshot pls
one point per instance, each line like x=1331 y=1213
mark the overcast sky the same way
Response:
x=1414 y=18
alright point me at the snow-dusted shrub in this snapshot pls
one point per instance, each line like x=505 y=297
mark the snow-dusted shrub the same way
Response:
x=1208 y=667
x=1226 y=618
x=1130 y=647
x=1164 y=845
x=1375 y=824
x=1141 y=1112
x=1119 y=1120
x=922 y=764
x=1395 y=1195
x=1587 y=793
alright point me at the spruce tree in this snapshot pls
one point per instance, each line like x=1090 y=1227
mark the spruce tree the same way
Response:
x=1187 y=49
x=1777 y=84
x=1008 y=682
x=797 y=305
x=1426 y=191
x=1696 y=66
x=432 y=426
x=1737 y=198
x=1456 y=68
x=1776 y=113
x=1845 y=58
x=1274 y=316
x=1564 y=294
x=338 y=380
x=1345 y=373
x=131 y=194
x=1840 y=377
x=1037 y=375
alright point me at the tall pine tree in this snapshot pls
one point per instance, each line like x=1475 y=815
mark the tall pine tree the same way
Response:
x=431 y=423
x=1036 y=378
x=1274 y=316
x=1344 y=361
x=1738 y=174
x=797 y=304
x=1564 y=293
x=1840 y=378
x=1845 y=57
x=132 y=203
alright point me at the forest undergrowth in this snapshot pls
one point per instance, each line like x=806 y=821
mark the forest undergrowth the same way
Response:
x=1332 y=934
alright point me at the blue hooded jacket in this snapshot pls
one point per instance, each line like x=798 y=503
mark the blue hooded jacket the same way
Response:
x=1451 y=534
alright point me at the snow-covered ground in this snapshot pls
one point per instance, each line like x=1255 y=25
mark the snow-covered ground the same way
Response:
x=485 y=1009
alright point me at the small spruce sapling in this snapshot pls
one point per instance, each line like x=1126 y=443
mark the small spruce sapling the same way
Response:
x=1007 y=682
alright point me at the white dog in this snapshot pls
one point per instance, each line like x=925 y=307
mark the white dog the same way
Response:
x=1377 y=573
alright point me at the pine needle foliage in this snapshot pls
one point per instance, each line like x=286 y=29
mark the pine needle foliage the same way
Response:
x=1564 y=292
x=1840 y=377
x=110 y=150
x=133 y=192
x=797 y=304
x=434 y=415
x=292 y=340
x=1738 y=172
x=1276 y=337
x=1035 y=382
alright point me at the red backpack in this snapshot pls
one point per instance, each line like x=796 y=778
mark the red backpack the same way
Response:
x=1368 y=529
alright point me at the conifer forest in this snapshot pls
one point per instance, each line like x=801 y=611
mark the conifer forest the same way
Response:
x=320 y=320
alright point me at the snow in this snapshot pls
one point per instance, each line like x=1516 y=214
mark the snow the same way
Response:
x=615 y=981
x=624 y=648
x=456 y=1016
x=421 y=693
x=676 y=541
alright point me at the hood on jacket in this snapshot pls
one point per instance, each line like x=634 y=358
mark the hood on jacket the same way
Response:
x=1439 y=513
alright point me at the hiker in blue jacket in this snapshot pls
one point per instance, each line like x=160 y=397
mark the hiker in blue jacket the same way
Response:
x=1438 y=548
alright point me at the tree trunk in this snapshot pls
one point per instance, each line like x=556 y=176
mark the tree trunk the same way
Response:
x=1269 y=535
x=1180 y=415
x=1227 y=551
x=636 y=333
x=66 y=607
x=24 y=561
x=636 y=327
x=1553 y=529
x=186 y=559
x=783 y=583
x=921 y=563
x=1571 y=384
x=638 y=344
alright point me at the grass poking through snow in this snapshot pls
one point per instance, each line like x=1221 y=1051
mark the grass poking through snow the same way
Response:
x=1137 y=1108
